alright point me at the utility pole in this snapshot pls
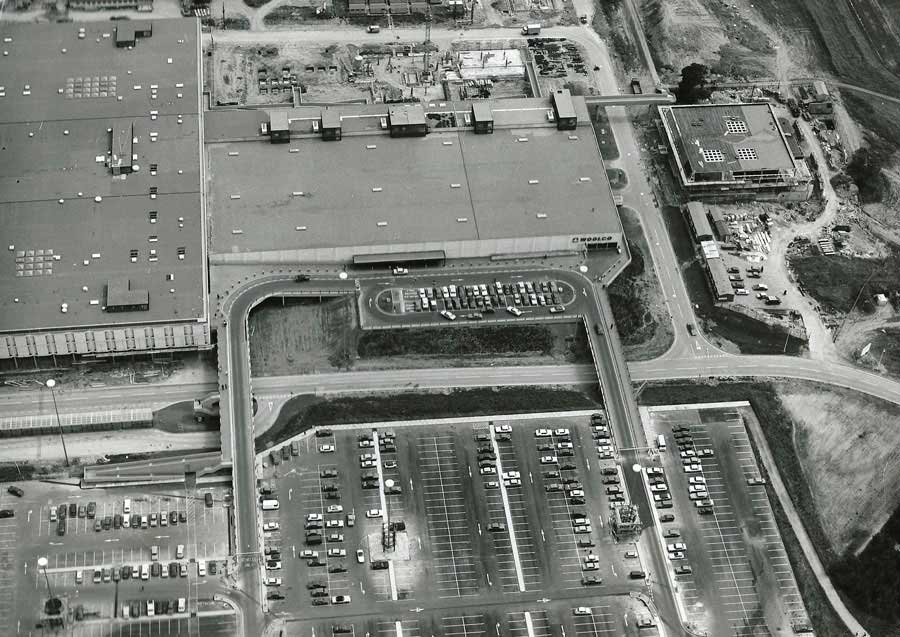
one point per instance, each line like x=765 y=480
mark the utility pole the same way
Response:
x=427 y=57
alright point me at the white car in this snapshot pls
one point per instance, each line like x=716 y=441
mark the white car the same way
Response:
x=268 y=526
x=334 y=524
x=367 y=456
x=512 y=482
x=693 y=468
x=273 y=581
x=491 y=484
x=340 y=599
x=582 y=610
x=690 y=453
x=274 y=565
x=513 y=310
x=543 y=433
x=326 y=448
x=366 y=444
x=307 y=554
x=576 y=493
x=511 y=474
x=314 y=517
x=334 y=508
x=398 y=271
x=549 y=459
x=697 y=488
x=564 y=445
x=699 y=495
x=502 y=429
x=676 y=546
x=367 y=464
x=487 y=471
x=561 y=432
x=659 y=487
x=606 y=448
x=654 y=471
x=677 y=555
x=447 y=314
x=360 y=556
x=373 y=513
x=179 y=551
x=337 y=552
x=556 y=309
x=697 y=480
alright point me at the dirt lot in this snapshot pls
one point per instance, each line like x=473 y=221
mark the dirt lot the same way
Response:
x=849 y=449
x=337 y=73
x=302 y=336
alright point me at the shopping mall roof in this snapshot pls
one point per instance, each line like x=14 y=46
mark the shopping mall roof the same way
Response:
x=527 y=179
x=100 y=176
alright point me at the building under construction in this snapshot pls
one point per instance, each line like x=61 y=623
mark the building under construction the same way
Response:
x=733 y=152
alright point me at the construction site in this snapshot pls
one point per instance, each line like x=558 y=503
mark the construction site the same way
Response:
x=297 y=73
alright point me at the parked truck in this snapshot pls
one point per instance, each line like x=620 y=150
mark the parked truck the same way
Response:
x=636 y=86
x=532 y=29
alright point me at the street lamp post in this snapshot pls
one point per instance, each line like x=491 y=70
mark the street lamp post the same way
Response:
x=388 y=484
x=42 y=564
x=50 y=385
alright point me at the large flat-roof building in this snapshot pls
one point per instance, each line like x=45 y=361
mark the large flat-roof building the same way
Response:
x=101 y=199
x=733 y=151
x=515 y=185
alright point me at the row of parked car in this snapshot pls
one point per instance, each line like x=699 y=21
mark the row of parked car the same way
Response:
x=135 y=521
x=690 y=458
x=152 y=608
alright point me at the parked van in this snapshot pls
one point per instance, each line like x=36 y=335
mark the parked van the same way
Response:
x=661 y=442
x=145 y=572
x=126 y=507
x=270 y=505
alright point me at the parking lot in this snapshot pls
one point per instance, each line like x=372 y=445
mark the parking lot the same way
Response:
x=727 y=557
x=457 y=515
x=96 y=554
x=424 y=298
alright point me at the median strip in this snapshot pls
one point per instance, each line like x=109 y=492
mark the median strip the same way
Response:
x=509 y=522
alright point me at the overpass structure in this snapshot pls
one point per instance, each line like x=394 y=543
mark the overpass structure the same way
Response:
x=625 y=99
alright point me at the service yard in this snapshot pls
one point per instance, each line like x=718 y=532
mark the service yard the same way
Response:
x=728 y=563
x=461 y=528
x=96 y=554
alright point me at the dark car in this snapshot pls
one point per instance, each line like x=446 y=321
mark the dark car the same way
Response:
x=328 y=473
x=276 y=596
x=126 y=572
x=337 y=568
x=155 y=569
x=637 y=575
x=62 y=511
x=301 y=278
x=7 y=513
x=173 y=569
x=320 y=602
x=61 y=526
x=107 y=523
x=16 y=491
x=208 y=498
x=135 y=521
x=73 y=510
x=173 y=518
x=319 y=593
x=117 y=521
x=212 y=568
x=378 y=565
x=135 y=609
x=314 y=585
x=667 y=517
x=323 y=433
x=91 y=510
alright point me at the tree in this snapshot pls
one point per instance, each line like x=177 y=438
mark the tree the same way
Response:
x=692 y=87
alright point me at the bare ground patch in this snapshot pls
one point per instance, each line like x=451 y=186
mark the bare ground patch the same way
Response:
x=849 y=448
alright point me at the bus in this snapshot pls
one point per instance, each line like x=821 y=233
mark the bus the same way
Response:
x=269 y=505
x=661 y=442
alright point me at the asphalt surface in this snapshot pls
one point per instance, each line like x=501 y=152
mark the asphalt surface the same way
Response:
x=449 y=564
x=31 y=534
x=742 y=582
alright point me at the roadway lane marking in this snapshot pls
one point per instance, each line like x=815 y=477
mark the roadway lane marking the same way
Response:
x=509 y=522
